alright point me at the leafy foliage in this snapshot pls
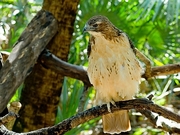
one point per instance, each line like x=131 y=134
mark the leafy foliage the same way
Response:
x=151 y=24
x=15 y=15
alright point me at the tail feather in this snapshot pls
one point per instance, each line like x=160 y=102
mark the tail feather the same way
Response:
x=116 y=122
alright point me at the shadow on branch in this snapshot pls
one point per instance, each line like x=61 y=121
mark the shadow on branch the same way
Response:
x=142 y=105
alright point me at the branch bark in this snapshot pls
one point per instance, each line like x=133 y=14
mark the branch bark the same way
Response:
x=68 y=124
x=25 y=53
x=165 y=70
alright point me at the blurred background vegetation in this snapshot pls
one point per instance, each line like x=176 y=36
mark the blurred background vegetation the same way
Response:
x=153 y=26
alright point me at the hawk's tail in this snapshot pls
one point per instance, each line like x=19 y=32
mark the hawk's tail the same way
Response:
x=116 y=122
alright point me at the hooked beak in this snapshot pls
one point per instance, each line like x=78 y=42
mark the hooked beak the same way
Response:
x=88 y=28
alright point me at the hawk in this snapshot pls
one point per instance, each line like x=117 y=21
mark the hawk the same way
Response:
x=113 y=70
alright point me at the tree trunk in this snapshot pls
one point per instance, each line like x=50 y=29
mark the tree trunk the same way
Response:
x=42 y=88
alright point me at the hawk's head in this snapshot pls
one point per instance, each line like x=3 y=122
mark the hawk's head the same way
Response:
x=100 y=25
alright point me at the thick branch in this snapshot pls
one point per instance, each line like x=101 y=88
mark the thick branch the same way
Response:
x=78 y=72
x=51 y=61
x=68 y=124
x=25 y=53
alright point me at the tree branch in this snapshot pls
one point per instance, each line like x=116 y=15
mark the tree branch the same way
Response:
x=146 y=61
x=51 y=61
x=82 y=117
x=165 y=70
x=153 y=119
x=25 y=53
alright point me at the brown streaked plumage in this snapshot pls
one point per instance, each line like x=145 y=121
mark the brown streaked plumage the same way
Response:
x=113 y=70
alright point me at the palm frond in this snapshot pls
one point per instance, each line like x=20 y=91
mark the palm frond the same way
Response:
x=160 y=9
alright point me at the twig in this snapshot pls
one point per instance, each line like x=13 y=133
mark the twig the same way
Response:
x=165 y=70
x=82 y=117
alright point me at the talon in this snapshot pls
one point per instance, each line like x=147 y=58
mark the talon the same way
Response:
x=113 y=103
x=108 y=107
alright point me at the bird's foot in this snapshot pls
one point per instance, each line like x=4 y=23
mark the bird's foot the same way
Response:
x=113 y=103
x=108 y=107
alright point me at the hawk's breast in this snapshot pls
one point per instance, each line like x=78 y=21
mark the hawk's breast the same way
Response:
x=113 y=70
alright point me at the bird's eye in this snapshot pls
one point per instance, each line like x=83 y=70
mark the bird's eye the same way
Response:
x=95 y=25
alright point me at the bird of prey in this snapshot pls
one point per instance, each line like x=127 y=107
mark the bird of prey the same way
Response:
x=113 y=70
